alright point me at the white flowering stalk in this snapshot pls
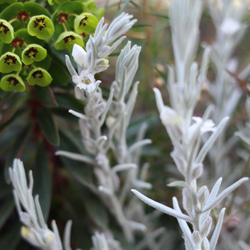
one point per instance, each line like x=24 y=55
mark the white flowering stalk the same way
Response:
x=92 y=60
x=115 y=112
x=35 y=229
x=227 y=17
x=186 y=132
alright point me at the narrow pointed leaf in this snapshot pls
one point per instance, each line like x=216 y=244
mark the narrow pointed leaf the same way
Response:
x=17 y=147
x=216 y=233
x=224 y=194
x=48 y=126
x=42 y=179
x=161 y=207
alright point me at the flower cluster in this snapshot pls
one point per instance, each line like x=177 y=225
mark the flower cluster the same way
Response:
x=98 y=47
x=26 y=31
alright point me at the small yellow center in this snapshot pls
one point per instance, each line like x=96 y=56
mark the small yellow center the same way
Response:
x=25 y=232
x=49 y=239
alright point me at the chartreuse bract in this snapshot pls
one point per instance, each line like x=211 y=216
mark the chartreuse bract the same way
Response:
x=30 y=31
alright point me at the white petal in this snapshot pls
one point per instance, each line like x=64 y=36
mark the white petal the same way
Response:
x=169 y=116
x=79 y=55
x=90 y=87
x=230 y=26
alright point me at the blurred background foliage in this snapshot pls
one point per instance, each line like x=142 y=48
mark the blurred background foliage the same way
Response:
x=35 y=124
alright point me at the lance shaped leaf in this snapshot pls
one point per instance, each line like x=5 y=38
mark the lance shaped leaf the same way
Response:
x=210 y=204
x=41 y=26
x=217 y=229
x=184 y=227
x=162 y=208
x=33 y=53
x=10 y=62
x=85 y=23
x=67 y=40
x=12 y=82
x=6 y=31
x=48 y=126
x=40 y=77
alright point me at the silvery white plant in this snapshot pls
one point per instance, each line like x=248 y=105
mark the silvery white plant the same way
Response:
x=227 y=17
x=35 y=229
x=115 y=112
x=186 y=132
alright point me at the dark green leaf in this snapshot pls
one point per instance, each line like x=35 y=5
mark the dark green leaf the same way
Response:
x=59 y=73
x=5 y=210
x=47 y=124
x=97 y=212
x=12 y=119
x=80 y=170
x=68 y=101
x=71 y=140
x=151 y=120
x=11 y=11
x=17 y=147
x=35 y=9
x=42 y=179
x=4 y=191
x=10 y=237
x=7 y=139
x=64 y=113
x=44 y=96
